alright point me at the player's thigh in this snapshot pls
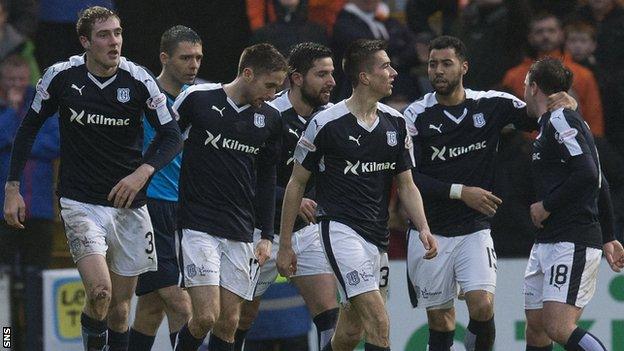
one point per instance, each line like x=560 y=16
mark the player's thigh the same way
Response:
x=239 y=269
x=249 y=312
x=150 y=305
x=570 y=273
x=355 y=262
x=318 y=291
x=132 y=248
x=205 y=301
x=230 y=304
x=475 y=262
x=268 y=271
x=430 y=282
x=559 y=319
x=533 y=289
x=371 y=308
x=84 y=228
x=200 y=258
x=122 y=287
x=94 y=274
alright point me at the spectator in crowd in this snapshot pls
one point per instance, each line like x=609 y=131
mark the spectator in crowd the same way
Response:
x=494 y=32
x=13 y=42
x=23 y=15
x=546 y=38
x=56 y=32
x=291 y=27
x=433 y=17
x=323 y=12
x=27 y=250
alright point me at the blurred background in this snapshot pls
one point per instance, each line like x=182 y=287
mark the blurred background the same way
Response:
x=503 y=38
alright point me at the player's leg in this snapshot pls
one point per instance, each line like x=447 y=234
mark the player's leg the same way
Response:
x=249 y=312
x=432 y=285
x=316 y=282
x=536 y=337
x=205 y=312
x=119 y=311
x=249 y=309
x=200 y=263
x=569 y=284
x=97 y=283
x=239 y=277
x=475 y=269
x=349 y=330
x=148 y=315
x=319 y=294
x=87 y=244
x=177 y=305
x=371 y=308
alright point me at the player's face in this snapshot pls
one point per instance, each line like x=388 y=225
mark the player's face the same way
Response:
x=318 y=82
x=445 y=70
x=15 y=78
x=184 y=63
x=104 y=44
x=382 y=74
x=546 y=35
x=580 y=45
x=262 y=87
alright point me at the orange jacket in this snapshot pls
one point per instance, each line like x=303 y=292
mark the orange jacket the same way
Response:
x=584 y=88
x=323 y=12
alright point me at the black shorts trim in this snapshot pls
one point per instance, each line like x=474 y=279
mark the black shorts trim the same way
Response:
x=330 y=255
x=576 y=274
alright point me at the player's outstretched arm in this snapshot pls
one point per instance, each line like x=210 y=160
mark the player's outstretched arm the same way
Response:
x=480 y=199
x=286 y=258
x=561 y=100
x=412 y=203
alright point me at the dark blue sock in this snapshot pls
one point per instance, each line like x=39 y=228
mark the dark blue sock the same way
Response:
x=117 y=341
x=239 y=339
x=139 y=341
x=93 y=333
x=480 y=335
x=186 y=340
x=215 y=343
x=581 y=340
x=172 y=337
x=371 y=347
x=440 y=341
x=325 y=323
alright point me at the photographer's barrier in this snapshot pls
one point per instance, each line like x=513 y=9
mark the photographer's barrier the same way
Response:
x=604 y=316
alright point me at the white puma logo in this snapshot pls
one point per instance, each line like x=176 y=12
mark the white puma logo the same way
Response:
x=292 y=131
x=356 y=140
x=438 y=128
x=74 y=86
x=218 y=110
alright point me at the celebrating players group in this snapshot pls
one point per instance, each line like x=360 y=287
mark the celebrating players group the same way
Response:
x=186 y=186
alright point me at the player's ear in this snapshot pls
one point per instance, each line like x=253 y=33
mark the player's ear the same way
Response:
x=464 y=65
x=363 y=77
x=164 y=58
x=297 y=78
x=85 y=42
x=248 y=74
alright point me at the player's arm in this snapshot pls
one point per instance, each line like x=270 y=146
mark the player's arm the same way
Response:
x=44 y=105
x=582 y=170
x=306 y=159
x=413 y=205
x=614 y=252
x=517 y=113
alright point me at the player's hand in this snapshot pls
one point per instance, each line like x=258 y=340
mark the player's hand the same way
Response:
x=561 y=99
x=14 y=206
x=125 y=190
x=539 y=214
x=481 y=200
x=307 y=210
x=286 y=261
x=615 y=255
x=430 y=243
x=263 y=251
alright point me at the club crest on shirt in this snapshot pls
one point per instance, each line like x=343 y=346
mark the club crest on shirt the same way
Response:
x=258 y=120
x=392 y=139
x=478 y=119
x=123 y=95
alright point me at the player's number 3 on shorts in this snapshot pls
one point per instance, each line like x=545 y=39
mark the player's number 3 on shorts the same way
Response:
x=150 y=243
